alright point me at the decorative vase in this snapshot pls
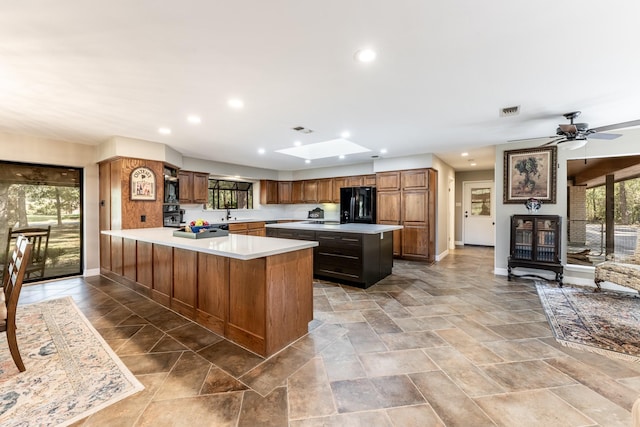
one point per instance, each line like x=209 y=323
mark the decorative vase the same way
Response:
x=533 y=205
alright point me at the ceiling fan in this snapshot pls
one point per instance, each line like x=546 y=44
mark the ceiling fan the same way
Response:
x=574 y=135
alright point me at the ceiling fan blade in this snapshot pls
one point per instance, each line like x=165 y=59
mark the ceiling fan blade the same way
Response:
x=617 y=126
x=555 y=141
x=532 y=139
x=599 y=135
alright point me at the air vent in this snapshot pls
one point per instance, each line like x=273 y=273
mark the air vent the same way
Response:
x=302 y=129
x=510 y=111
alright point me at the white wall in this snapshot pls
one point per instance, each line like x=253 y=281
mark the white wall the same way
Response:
x=26 y=149
x=628 y=144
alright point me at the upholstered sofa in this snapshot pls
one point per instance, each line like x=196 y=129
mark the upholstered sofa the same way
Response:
x=625 y=273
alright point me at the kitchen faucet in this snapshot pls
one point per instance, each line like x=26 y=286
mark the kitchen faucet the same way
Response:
x=228 y=213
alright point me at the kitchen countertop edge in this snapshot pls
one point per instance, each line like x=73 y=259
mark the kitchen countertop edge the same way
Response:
x=233 y=246
x=341 y=228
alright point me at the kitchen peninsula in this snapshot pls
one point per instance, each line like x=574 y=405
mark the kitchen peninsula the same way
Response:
x=356 y=254
x=255 y=291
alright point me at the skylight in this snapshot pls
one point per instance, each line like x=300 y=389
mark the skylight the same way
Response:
x=321 y=150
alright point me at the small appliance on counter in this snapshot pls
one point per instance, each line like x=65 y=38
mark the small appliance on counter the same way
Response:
x=358 y=204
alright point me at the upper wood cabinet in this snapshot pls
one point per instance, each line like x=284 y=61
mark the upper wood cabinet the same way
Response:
x=284 y=191
x=338 y=183
x=415 y=179
x=185 y=180
x=200 y=187
x=268 y=192
x=297 y=192
x=388 y=181
x=369 y=180
x=325 y=190
x=310 y=191
x=194 y=187
x=355 y=181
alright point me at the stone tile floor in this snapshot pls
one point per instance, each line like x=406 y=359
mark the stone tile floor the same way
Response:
x=447 y=344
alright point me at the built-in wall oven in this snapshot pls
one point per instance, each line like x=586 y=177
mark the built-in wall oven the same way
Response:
x=171 y=214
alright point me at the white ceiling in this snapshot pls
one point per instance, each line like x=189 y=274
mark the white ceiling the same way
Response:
x=87 y=70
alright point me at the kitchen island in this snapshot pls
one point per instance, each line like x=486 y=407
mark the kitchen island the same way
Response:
x=356 y=254
x=255 y=291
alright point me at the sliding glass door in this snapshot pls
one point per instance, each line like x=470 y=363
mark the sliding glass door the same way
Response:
x=44 y=202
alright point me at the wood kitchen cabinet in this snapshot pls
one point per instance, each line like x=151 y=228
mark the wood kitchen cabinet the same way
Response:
x=415 y=179
x=355 y=181
x=338 y=183
x=194 y=187
x=185 y=285
x=407 y=198
x=310 y=190
x=284 y=191
x=297 y=192
x=253 y=228
x=388 y=206
x=325 y=190
x=369 y=180
x=268 y=192
x=388 y=181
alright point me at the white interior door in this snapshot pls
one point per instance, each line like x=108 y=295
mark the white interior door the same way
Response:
x=478 y=216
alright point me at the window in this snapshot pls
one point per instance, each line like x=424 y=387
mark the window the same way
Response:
x=481 y=201
x=44 y=197
x=230 y=194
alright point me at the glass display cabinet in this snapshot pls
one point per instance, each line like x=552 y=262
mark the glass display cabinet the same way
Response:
x=535 y=244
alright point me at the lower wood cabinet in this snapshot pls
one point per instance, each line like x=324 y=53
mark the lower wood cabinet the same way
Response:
x=254 y=228
x=184 y=283
x=213 y=292
x=162 y=274
x=262 y=304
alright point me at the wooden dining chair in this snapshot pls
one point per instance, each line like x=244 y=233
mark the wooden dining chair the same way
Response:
x=11 y=286
x=39 y=237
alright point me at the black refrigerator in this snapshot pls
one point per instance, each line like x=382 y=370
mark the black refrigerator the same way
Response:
x=358 y=204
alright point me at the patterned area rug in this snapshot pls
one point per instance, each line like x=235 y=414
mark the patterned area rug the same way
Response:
x=605 y=322
x=71 y=371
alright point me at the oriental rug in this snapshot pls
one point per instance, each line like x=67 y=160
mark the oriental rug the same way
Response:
x=71 y=371
x=607 y=323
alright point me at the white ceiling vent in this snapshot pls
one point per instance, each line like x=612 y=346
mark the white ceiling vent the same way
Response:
x=510 y=111
x=302 y=129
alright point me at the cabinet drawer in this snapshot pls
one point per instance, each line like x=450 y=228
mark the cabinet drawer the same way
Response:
x=237 y=227
x=339 y=269
x=339 y=239
x=341 y=260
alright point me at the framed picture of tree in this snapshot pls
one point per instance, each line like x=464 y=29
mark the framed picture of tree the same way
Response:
x=530 y=173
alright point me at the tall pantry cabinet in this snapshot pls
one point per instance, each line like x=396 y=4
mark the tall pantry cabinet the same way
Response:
x=408 y=198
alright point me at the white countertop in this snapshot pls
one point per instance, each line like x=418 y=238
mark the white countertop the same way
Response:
x=343 y=228
x=233 y=246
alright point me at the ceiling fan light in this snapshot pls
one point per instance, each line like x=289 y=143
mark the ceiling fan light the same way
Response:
x=574 y=144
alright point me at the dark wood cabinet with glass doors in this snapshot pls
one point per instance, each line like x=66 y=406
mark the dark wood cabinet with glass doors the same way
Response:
x=535 y=244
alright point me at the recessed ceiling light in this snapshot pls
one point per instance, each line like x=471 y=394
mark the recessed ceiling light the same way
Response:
x=365 y=55
x=383 y=151
x=465 y=154
x=261 y=151
x=307 y=161
x=345 y=134
x=297 y=143
x=236 y=103
x=194 y=119
x=341 y=156
x=164 y=131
